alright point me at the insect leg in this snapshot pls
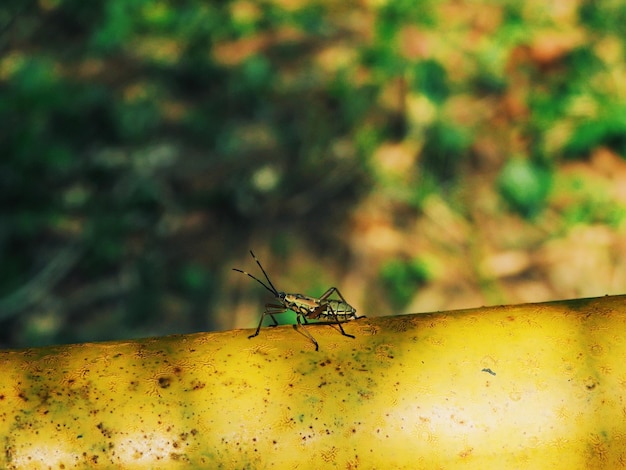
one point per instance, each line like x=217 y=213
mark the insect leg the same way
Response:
x=305 y=331
x=329 y=292
x=270 y=309
x=332 y=312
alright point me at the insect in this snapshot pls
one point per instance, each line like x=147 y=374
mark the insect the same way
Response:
x=333 y=311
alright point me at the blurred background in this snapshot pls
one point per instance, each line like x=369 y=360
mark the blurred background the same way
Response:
x=419 y=156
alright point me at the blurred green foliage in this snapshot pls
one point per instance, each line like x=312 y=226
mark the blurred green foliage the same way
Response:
x=525 y=186
x=143 y=140
x=403 y=280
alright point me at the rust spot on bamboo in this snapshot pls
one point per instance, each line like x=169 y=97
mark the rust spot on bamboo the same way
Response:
x=165 y=382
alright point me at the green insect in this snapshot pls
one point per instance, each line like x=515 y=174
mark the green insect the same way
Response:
x=331 y=311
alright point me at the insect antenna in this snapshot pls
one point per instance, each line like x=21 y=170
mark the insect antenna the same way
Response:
x=273 y=289
x=264 y=273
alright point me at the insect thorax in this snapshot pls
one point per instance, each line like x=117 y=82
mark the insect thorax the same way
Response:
x=300 y=302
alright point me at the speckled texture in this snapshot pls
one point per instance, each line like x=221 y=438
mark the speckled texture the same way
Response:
x=530 y=386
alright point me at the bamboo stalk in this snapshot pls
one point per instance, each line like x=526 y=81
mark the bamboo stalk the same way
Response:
x=526 y=386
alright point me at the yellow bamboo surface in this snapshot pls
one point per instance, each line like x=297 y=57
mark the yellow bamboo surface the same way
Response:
x=528 y=386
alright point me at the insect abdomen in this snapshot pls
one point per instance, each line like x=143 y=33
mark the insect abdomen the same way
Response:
x=342 y=311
